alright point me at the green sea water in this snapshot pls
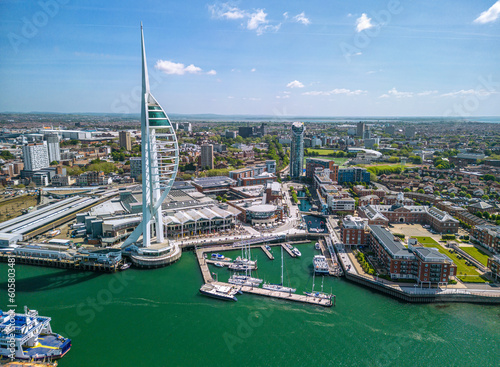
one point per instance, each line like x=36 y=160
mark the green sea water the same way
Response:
x=159 y=318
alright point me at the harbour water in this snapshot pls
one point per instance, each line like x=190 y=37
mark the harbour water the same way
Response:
x=158 y=317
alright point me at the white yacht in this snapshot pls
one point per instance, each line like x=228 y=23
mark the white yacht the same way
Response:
x=219 y=291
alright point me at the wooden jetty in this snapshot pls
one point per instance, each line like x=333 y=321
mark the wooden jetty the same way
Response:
x=288 y=250
x=325 y=302
x=267 y=252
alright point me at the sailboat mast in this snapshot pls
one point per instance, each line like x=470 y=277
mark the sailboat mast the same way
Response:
x=281 y=265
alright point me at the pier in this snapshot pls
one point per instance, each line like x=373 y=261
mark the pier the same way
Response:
x=334 y=268
x=207 y=278
x=325 y=302
x=267 y=252
x=288 y=250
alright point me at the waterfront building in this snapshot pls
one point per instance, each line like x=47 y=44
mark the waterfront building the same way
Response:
x=160 y=154
x=297 y=150
x=207 y=156
x=53 y=148
x=494 y=266
x=35 y=156
x=125 y=140
x=488 y=235
x=425 y=265
x=353 y=230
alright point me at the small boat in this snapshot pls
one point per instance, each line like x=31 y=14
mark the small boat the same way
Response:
x=316 y=246
x=219 y=264
x=296 y=251
x=125 y=266
x=217 y=257
x=268 y=248
x=289 y=246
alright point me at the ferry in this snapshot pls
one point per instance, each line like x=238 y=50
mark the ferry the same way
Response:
x=296 y=251
x=219 y=291
x=33 y=337
x=320 y=265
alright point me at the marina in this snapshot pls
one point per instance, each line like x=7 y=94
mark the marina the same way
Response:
x=246 y=285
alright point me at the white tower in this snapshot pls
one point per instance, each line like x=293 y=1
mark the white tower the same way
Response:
x=160 y=160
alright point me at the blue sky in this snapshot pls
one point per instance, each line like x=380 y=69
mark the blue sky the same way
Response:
x=316 y=58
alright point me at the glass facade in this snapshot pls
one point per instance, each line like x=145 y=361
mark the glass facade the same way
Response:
x=297 y=150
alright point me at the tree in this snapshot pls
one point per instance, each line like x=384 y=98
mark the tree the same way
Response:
x=486 y=215
x=479 y=214
x=407 y=189
x=452 y=195
x=54 y=163
x=468 y=196
x=485 y=197
x=421 y=191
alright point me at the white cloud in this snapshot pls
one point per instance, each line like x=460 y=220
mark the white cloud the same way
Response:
x=363 y=22
x=177 y=68
x=226 y=11
x=254 y=20
x=285 y=15
x=230 y=97
x=463 y=92
x=295 y=84
x=427 y=93
x=395 y=93
x=301 y=18
x=257 y=19
x=489 y=15
x=253 y=70
x=283 y=97
x=336 y=91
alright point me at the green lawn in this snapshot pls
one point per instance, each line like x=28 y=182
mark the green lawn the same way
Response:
x=476 y=254
x=465 y=272
x=321 y=151
x=339 y=161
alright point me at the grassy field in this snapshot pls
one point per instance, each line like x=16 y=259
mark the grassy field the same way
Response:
x=321 y=151
x=339 y=161
x=476 y=254
x=465 y=272
x=12 y=208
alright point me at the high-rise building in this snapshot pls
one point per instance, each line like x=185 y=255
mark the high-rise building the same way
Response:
x=410 y=132
x=160 y=161
x=35 y=156
x=245 y=131
x=207 y=156
x=53 y=147
x=125 y=140
x=135 y=167
x=360 y=129
x=297 y=150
